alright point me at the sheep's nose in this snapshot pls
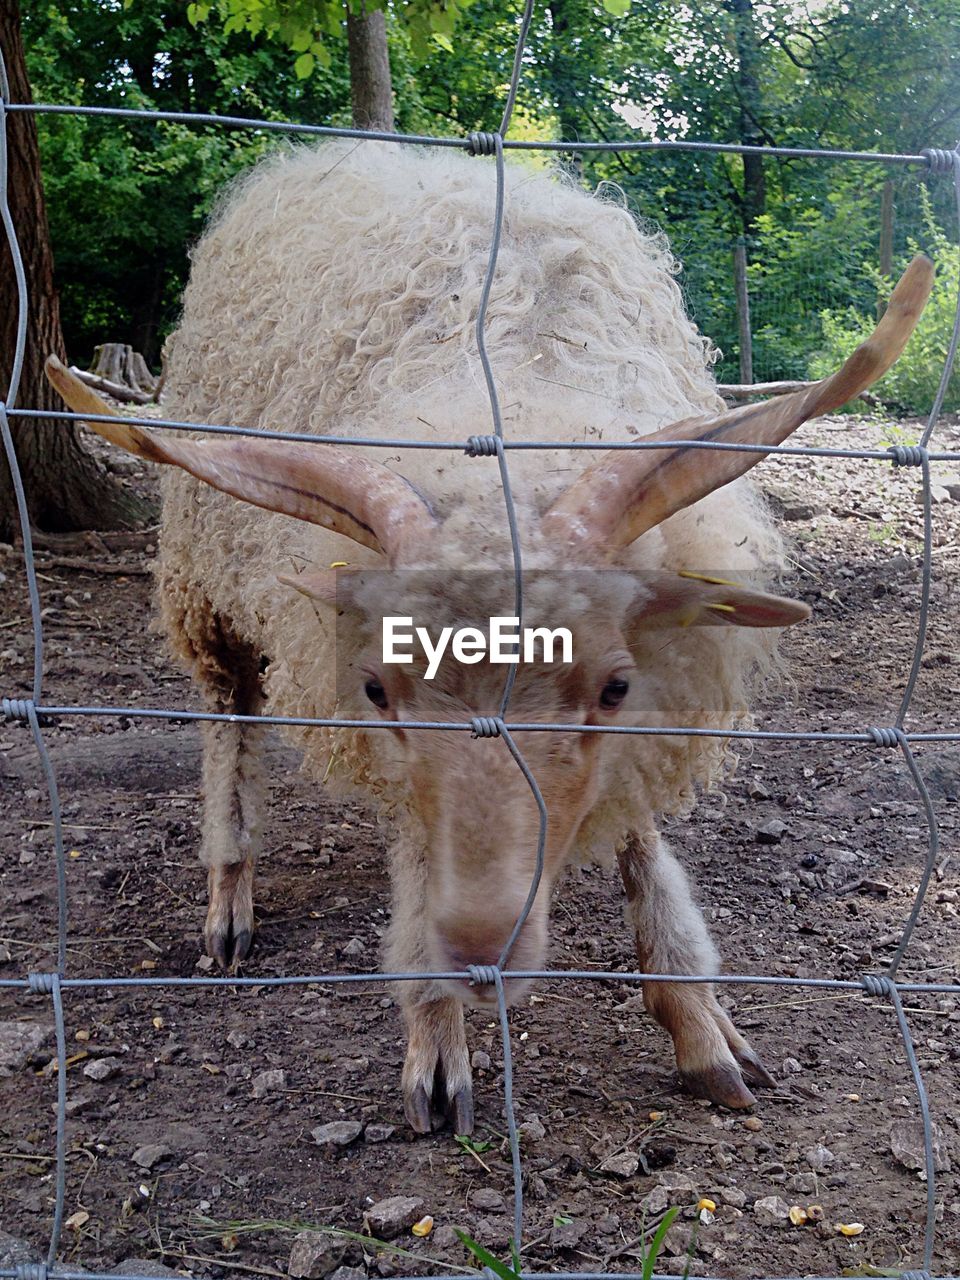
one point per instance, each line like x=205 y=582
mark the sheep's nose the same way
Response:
x=468 y=957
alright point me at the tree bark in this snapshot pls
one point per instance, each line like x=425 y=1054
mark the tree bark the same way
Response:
x=887 y=213
x=743 y=310
x=371 y=89
x=562 y=84
x=66 y=487
x=748 y=92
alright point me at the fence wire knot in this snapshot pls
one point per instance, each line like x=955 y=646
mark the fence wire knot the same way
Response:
x=482 y=447
x=908 y=455
x=41 y=984
x=16 y=708
x=876 y=984
x=486 y=726
x=482 y=975
x=482 y=144
x=885 y=737
x=31 y=1271
x=938 y=161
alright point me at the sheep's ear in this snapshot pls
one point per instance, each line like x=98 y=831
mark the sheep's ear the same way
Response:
x=625 y=494
x=326 y=585
x=688 y=599
x=328 y=485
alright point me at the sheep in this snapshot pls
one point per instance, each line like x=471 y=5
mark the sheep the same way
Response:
x=335 y=292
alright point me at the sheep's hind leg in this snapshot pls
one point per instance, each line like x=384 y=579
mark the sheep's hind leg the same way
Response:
x=228 y=670
x=436 y=1081
x=713 y=1059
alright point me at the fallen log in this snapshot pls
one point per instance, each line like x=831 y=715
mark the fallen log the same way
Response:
x=739 y=391
x=128 y=395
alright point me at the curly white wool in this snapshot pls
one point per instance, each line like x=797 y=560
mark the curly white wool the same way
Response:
x=336 y=291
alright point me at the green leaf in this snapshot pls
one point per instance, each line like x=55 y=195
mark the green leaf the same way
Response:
x=656 y=1244
x=301 y=42
x=192 y=16
x=303 y=67
x=485 y=1257
x=619 y=8
x=443 y=40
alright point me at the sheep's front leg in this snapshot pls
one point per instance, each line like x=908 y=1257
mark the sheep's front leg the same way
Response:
x=437 y=1083
x=713 y=1059
x=233 y=790
x=232 y=832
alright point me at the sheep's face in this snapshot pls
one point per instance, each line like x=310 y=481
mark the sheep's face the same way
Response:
x=475 y=810
x=476 y=813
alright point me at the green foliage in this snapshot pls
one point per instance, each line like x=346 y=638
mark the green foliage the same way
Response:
x=306 y=27
x=511 y=1271
x=127 y=198
x=912 y=383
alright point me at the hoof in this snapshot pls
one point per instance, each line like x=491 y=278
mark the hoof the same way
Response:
x=428 y=1113
x=228 y=932
x=754 y=1072
x=722 y=1084
x=229 y=949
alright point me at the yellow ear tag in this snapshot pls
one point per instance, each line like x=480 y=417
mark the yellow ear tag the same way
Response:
x=339 y=564
x=705 y=577
x=722 y=608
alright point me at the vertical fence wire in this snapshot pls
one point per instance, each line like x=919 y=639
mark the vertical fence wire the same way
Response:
x=27 y=708
x=30 y=710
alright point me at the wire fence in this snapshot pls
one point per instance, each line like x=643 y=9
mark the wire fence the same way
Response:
x=816 y=264
x=33 y=712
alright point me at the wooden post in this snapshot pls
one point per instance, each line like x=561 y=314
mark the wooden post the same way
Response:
x=743 y=310
x=886 y=239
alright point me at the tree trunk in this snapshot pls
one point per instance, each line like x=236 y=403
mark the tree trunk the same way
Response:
x=370 y=85
x=66 y=487
x=562 y=83
x=748 y=92
x=887 y=212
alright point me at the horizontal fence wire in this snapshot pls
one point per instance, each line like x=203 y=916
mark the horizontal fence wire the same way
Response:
x=930 y=158
x=639 y=445
x=33 y=712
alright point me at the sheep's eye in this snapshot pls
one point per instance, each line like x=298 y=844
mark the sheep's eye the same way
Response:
x=376 y=693
x=613 y=693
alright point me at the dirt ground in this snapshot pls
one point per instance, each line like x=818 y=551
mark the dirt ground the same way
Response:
x=237 y=1174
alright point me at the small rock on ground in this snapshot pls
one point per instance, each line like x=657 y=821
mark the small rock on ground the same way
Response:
x=819 y=1157
x=339 y=1133
x=150 y=1154
x=567 y=1235
x=378 y=1132
x=315 y=1254
x=387 y=1218
x=771 y=832
x=269 y=1082
x=624 y=1164
x=101 y=1068
x=771 y=1211
x=488 y=1199
x=906 y=1143
x=19 y=1044
x=532 y=1129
